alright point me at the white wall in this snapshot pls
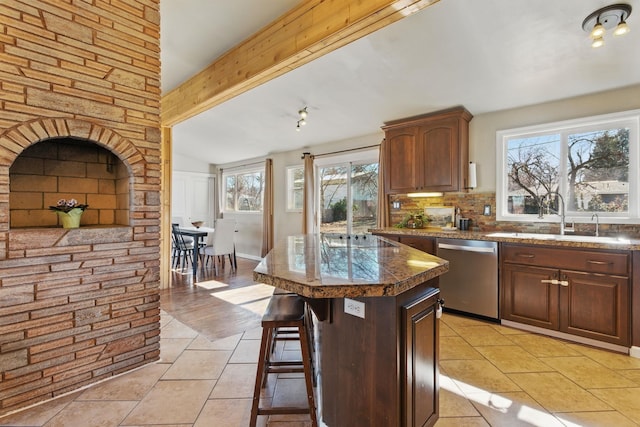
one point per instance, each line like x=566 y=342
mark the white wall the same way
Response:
x=189 y=164
x=483 y=127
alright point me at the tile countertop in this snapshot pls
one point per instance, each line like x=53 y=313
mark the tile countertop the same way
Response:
x=572 y=241
x=332 y=266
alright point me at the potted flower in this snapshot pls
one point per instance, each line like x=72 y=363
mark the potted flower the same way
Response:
x=69 y=212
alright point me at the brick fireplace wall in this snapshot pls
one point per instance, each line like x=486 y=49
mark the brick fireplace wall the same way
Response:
x=79 y=305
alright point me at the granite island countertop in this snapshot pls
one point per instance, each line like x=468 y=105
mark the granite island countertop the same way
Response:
x=334 y=266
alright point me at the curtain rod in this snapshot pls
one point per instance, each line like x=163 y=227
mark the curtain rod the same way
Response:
x=243 y=166
x=340 y=151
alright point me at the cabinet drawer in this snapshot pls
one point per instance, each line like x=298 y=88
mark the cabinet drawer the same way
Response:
x=592 y=261
x=424 y=244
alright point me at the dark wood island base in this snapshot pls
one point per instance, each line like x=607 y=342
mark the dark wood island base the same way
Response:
x=382 y=370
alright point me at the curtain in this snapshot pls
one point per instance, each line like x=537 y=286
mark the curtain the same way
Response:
x=308 y=214
x=383 y=202
x=267 y=209
x=221 y=196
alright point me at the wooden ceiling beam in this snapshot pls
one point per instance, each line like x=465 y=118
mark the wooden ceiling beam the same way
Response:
x=306 y=32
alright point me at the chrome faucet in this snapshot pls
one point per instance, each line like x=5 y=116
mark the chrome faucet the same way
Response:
x=595 y=215
x=561 y=212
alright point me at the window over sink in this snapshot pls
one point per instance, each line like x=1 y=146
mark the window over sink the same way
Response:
x=591 y=162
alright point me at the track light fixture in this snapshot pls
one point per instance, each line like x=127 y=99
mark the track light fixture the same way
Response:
x=302 y=121
x=606 y=18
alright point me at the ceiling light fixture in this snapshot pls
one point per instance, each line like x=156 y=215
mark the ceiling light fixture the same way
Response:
x=606 y=18
x=302 y=121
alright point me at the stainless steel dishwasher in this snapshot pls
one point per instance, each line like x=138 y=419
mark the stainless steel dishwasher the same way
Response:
x=471 y=285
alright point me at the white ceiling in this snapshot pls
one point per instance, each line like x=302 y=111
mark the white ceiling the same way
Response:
x=487 y=55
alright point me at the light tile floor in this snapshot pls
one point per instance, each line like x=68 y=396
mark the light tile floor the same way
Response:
x=490 y=376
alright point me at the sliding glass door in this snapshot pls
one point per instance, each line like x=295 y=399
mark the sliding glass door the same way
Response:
x=348 y=194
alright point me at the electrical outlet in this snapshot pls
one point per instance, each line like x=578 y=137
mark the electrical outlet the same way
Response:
x=487 y=210
x=354 y=308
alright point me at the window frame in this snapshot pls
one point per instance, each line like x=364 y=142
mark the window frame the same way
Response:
x=236 y=173
x=290 y=190
x=630 y=119
x=356 y=157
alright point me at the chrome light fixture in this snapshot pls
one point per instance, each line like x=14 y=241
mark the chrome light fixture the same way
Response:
x=606 y=18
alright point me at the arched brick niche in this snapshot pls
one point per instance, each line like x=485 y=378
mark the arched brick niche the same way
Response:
x=68 y=168
x=52 y=159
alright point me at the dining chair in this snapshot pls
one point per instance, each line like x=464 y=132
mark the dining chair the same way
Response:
x=221 y=242
x=180 y=222
x=182 y=249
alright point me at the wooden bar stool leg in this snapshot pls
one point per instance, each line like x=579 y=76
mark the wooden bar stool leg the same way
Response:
x=267 y=360
x=260 y=375
x=308 y=373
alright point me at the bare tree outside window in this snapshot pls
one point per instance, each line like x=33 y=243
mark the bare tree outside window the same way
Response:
x=598 y=171
x=534 y=171
x=243 y=192
x=593 y=167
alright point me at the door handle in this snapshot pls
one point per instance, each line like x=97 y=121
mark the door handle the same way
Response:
x=466 y=248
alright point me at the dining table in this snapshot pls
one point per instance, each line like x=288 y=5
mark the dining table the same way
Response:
x=198 y=233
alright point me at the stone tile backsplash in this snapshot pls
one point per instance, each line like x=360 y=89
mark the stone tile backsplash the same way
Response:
x=472 y=206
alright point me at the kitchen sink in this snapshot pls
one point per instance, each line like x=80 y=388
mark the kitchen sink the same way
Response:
x=562 y=238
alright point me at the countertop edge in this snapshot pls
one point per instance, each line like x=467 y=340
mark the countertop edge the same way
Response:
x=351 y=290
x=484 y=235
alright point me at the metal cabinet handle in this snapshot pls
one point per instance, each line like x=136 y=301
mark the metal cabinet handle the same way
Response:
x=556 y=282
x=465 y=248
x=590 y=261
x=526 y=255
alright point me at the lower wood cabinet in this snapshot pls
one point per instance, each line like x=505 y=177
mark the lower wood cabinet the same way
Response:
x=529 y=297
x=580 y=292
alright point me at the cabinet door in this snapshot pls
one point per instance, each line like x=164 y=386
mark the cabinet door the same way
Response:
x=440 y=154
x=528 y=297
x=402 y=168
x=595 y=306
x=420 y=357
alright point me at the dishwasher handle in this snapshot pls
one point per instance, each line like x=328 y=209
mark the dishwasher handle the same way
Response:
x=466 y=248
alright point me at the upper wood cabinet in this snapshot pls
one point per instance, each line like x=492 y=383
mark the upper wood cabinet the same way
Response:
x=428 y=152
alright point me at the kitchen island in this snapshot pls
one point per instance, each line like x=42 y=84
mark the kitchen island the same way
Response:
x=377 y=343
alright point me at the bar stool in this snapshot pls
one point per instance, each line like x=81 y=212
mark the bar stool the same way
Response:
x=283 y=311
